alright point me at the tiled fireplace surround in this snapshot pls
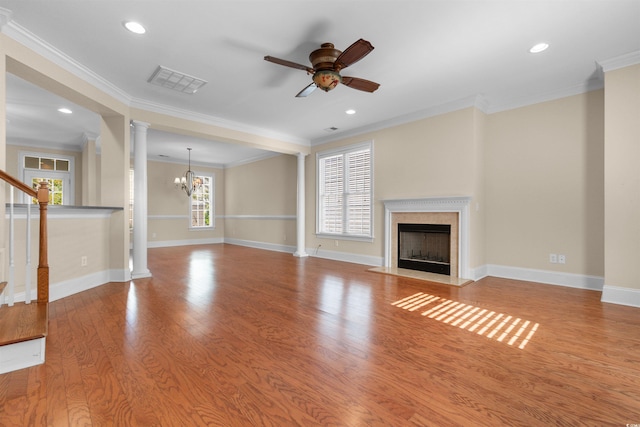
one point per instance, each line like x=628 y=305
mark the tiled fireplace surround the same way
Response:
x=437 y=210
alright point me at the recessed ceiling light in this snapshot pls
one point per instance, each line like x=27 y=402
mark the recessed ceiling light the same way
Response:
x=134 y=27
x=350 y=111
x=540 y=47
x=65 y=110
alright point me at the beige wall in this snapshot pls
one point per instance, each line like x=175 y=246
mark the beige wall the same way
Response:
x=437 y=156
x=622 y=177
x=69 y=239
x=168 y=207
x=544 y=185
x=257 y=197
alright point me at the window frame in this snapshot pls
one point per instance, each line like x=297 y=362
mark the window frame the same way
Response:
x=67 y=176
x=344 y=151
x=212 y=194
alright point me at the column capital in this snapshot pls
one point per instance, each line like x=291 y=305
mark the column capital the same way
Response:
x=139 y=124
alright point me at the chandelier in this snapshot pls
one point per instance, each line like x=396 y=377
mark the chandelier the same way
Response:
x=189 y=182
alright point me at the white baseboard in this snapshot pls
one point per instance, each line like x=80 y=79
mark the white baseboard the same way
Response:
x=581 y=281
x=478 y=273
x=622 y=296
x=69 y=287
x=261 y=245
x=372 y=261
x=169 y=243
x=22 y=355
x=333 y=255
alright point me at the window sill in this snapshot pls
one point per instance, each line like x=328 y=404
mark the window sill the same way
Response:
x=367 y=239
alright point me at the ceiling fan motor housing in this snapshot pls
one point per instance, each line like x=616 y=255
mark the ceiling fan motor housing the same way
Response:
x=324 y=58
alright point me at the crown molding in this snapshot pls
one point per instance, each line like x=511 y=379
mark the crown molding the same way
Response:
x=252 y=160
x=477 y=101
x=75 y=146
x=5 y=17
x=626 y=60
x=41 y=47
x=214 y=121
x=588 y=86
x=183 y=162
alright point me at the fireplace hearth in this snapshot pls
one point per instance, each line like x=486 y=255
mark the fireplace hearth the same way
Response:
x=425 y=247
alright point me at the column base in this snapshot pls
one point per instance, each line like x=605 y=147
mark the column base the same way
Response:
x=140 y=274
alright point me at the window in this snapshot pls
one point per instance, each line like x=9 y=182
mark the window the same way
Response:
x=201 y=207
x=55 y=169
x=344 y=192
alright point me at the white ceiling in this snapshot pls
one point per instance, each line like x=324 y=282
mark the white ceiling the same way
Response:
x=430 y=56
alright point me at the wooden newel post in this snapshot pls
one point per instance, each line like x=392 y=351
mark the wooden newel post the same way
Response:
x=43 y=262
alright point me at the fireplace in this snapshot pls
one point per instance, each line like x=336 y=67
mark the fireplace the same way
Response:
x=449 y=211
x=425 y=247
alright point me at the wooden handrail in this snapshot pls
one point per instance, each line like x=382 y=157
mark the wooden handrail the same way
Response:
x=19 y=184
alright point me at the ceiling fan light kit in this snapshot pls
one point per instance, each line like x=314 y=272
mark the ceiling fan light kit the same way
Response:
x=327 y=63
x=326 y=79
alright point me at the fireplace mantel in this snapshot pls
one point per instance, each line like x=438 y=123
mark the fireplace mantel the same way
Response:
x=458 y=204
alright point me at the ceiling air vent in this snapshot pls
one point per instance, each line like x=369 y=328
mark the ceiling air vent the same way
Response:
x=176 y=80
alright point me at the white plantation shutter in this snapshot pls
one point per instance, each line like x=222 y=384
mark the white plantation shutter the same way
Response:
x=358 y=191
x=332 y=174
x=344 y=192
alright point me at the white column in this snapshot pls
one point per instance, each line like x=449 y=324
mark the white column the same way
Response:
x=300 y=231
x=140 y=269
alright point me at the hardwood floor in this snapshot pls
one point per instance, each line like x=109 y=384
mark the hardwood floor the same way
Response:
x=224 y=335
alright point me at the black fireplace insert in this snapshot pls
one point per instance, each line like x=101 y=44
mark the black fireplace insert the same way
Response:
x=425 y=247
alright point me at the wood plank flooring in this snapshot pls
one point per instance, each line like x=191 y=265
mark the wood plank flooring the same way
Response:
x=223 y=335
x=23 y=322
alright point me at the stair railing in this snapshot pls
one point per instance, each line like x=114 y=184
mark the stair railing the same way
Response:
x=42 y=196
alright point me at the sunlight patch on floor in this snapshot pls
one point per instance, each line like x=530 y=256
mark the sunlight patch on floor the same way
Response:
x=497 y=326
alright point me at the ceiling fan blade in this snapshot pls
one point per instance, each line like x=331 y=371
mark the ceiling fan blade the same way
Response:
x=307 y=90
x=289 y=64
x=353 y=54
x=360 y=84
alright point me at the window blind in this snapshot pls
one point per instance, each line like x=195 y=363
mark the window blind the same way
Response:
x=345 y=192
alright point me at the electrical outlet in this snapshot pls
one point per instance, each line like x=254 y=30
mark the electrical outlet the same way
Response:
x=553 y=258
x=337 y=244
x=562 y=259
x=83 y=261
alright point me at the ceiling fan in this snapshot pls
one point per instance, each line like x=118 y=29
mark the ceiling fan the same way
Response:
x=327 y=63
